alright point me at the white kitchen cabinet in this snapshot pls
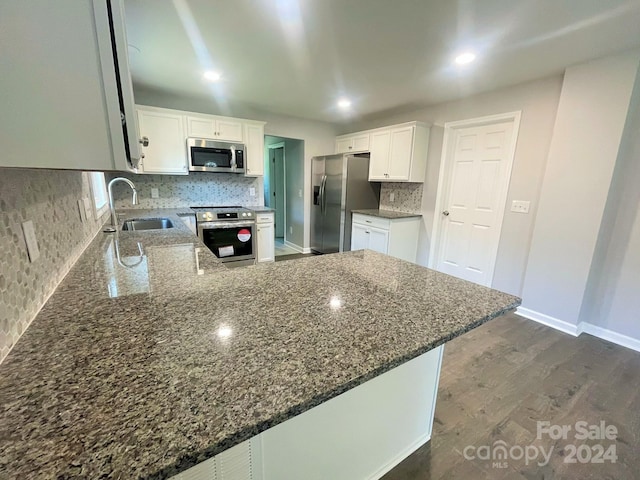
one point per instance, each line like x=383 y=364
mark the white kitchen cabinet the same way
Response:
x=166 y=152
x=397 y=237
x=60 y=102
x=266 y=237
x=216 y=128
x=399 y=153
x=353 y=143
x=254 y=145
x=365 y=237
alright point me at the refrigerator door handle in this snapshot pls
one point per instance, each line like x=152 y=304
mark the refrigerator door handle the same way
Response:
x=323 y=186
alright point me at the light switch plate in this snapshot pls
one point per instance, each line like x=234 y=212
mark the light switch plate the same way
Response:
x=83 y=214
x=392 y=197
x=31 y=241
x=300 y=193
x=88 y=208
x=155 y=193
x=520 y=206
x=252 y=191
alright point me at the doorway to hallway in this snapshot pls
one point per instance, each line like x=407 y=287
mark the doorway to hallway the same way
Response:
x=283 y=187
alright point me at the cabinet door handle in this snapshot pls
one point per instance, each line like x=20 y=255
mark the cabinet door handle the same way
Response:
x=446 y=213
x=144 y=141
x=367 y=231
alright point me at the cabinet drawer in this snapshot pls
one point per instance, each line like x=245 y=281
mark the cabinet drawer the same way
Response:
x=371 y=221
x=264 y=217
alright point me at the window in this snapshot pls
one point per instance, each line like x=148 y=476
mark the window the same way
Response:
x=99 y=193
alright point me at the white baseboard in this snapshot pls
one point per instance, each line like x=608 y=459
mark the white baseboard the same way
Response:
x=306 y=250
x=400 y=457
x=582 y=327
x=549 y=321
x=611 y=336
x=293 y=246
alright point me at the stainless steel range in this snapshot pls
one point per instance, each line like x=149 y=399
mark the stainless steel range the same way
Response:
x=229 y=232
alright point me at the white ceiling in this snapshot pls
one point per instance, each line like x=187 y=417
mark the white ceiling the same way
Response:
x=297 y=57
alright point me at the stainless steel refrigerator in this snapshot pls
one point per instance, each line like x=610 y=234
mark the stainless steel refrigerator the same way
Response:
x=339 y=185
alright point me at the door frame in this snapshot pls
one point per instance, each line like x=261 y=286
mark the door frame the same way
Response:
x=275 y=146
x=444 y=177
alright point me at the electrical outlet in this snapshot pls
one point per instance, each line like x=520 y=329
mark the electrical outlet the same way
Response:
x=392 y=197
x=520 y=206
x=88 y=208
x=252 y=191
x=155 y=193
x=83 y=214
x=31 y=241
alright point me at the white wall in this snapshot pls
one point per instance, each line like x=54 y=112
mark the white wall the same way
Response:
x=612 y=299
x=538 y=102
x=319 y=137
x=586 y=138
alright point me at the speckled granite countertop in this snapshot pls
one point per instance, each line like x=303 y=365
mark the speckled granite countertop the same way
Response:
x=262 y=209
x=374 y=212
x=152 y=356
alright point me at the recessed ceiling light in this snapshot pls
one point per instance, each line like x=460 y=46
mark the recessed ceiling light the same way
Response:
x=466 y=57
x=344 y=103
x=212 y=76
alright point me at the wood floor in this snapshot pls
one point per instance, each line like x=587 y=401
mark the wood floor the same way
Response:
x=499 y=380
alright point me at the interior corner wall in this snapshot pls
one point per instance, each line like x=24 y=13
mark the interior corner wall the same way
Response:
x=612 y=299
x=586 y=137
x=538 y=102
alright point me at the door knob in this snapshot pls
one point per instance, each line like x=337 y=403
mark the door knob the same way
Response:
x=446 y=213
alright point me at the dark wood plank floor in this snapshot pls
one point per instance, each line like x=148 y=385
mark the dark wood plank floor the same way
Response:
x=499 y=380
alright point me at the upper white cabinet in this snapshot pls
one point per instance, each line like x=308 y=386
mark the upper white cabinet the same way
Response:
x=167 y=131
x=254 y=145
x=358 y=142
x=60 y=97
x=166 y=149
x=398 y=152
x=216 y=128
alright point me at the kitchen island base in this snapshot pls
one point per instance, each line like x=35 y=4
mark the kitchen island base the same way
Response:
x=360 y=434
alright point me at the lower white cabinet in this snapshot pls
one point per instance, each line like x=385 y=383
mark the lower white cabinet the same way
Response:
x=397 y=237
x=166 y=152
x=266 y=237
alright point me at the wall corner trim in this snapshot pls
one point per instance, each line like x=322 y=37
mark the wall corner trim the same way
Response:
x=549 y=321
x=582 y=327
x=611 y=336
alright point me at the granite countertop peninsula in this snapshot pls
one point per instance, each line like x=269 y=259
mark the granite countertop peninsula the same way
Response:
x=152 y=356
x=390 y=214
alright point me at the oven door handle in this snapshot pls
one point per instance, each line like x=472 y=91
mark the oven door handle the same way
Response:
x=217 y=225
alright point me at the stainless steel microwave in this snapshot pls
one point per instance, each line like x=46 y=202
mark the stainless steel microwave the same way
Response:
x=215 y=156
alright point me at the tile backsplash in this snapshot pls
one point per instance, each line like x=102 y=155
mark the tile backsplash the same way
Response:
x=407 y=197
x=49 y=198
x=197 y=189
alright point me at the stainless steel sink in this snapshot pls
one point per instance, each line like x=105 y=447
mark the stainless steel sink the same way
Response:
x=147 y=224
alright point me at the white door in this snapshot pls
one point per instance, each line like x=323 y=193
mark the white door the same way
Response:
x=229 y=130
x=378 y=240
x=379 y=160
x=167 y=151
x=359 y=237
x=266 y=242
x=477 y=167
x=400 y=153
x=254 y=143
